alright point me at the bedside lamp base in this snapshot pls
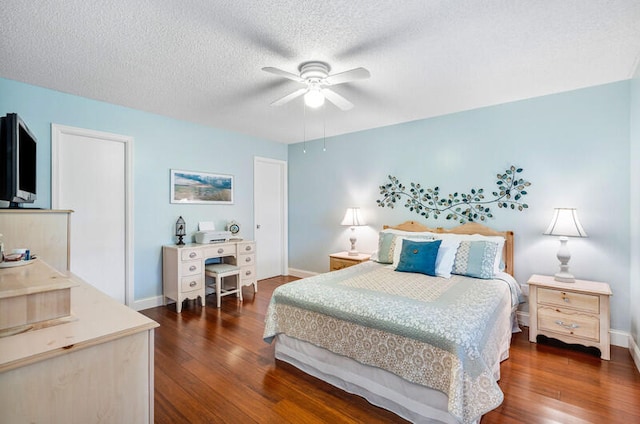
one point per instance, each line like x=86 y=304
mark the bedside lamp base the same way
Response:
x=564 y=277
x=563 y=256
x=353 y=251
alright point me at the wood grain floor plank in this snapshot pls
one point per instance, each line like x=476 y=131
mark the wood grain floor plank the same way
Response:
x=212 y=366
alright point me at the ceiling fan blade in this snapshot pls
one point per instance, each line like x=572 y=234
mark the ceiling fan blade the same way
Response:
x=346 y=76
x=282 y=73
x=289 y=97
x=337 y=99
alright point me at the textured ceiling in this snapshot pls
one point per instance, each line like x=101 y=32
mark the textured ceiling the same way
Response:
x=201 y=60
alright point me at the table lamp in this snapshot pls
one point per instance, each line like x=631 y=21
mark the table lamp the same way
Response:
x=565 y=223
x=353 y=219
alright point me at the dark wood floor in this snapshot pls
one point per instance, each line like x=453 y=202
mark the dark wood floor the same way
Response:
x=212 y=366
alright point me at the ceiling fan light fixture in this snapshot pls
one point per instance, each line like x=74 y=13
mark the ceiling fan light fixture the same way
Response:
x=314 y=98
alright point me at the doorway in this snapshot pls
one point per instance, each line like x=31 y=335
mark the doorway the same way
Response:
x=270 y=214
x=91 y=175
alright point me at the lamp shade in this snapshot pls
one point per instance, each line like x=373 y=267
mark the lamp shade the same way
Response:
x=353 y=218
x=565 y=223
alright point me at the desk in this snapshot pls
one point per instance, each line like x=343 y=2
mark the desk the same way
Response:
x=183 y=268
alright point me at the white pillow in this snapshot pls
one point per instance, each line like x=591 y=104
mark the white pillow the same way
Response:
x=444 y=260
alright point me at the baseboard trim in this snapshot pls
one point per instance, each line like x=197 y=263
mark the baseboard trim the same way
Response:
x=148 y=303
x=300 y=273
x=618 y=338
x=635 y=352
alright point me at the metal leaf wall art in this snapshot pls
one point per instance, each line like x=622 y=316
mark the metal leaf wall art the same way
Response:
x=463 y=207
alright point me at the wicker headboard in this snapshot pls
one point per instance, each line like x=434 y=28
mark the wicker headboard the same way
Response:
x=469 y=228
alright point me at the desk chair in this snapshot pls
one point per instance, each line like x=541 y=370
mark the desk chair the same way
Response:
x=218 y=272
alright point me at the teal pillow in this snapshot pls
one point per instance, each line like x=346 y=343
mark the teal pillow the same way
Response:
x=419 y=256
x=476 y=259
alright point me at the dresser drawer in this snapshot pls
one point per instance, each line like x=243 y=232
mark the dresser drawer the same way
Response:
x=568 y=322
x=191 y=283
x=188 y=254
x=220 y=250
x=248 y=273
x=246 y=248
x=246 y=260
x=191 y=267
x=566 y=299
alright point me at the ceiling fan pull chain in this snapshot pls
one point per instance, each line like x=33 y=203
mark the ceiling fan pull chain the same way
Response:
x=324 y=127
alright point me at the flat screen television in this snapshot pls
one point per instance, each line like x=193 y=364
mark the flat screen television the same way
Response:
x=18 y=161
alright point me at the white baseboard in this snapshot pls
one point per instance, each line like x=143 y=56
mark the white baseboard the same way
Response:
x=148 y=303
x=300 y=273
x=618 y=338
x=635 y=352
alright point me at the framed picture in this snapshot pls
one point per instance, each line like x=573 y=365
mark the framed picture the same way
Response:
x=201 y=188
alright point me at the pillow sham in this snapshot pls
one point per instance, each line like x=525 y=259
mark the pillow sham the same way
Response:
x=446 y=257
x=419 y=256
x=498 y=264
x=476 y=259
x=390 y=243
x=386 y=246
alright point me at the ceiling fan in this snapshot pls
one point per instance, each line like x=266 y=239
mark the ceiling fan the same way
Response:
x=315 y=75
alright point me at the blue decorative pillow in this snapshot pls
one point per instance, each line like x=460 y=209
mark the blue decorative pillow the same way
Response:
x=419 y=256
x=476 y=259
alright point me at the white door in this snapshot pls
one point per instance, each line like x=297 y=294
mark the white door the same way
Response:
x=90 y=175
x=270 y=202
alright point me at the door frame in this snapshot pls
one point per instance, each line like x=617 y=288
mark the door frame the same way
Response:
x=284 y=209
x=57 y=132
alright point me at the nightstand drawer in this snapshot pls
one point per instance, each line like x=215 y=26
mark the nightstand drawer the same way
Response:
x=337 y=263
x=570 y=323
x=191 y=283
x=567 y=299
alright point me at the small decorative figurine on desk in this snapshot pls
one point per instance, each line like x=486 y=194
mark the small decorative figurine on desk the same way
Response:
x=181 y=230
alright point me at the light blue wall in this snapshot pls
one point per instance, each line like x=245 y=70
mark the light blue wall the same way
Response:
x=635 y=209
x=160 y=144
x=574 y=148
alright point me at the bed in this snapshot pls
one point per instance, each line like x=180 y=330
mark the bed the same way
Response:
x=420 y=331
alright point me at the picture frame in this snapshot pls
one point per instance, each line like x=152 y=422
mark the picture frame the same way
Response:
x=204 y=188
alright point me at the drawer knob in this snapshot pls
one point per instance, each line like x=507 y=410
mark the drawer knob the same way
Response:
x=248 y=272
x=571 y=326
x=247 y=248
x=192 y=268
x=192 y=284
x=193 y=254
x=248 y=260
x=221 y=250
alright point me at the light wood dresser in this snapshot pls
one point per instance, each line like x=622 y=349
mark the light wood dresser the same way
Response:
x=44 y=231
x=576 y=313
x=96 y=366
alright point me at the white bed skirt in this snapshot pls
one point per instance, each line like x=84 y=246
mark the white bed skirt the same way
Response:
x=413 y=402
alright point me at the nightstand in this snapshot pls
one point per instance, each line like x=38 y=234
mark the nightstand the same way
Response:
x=343 y=260
x=570 y=312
